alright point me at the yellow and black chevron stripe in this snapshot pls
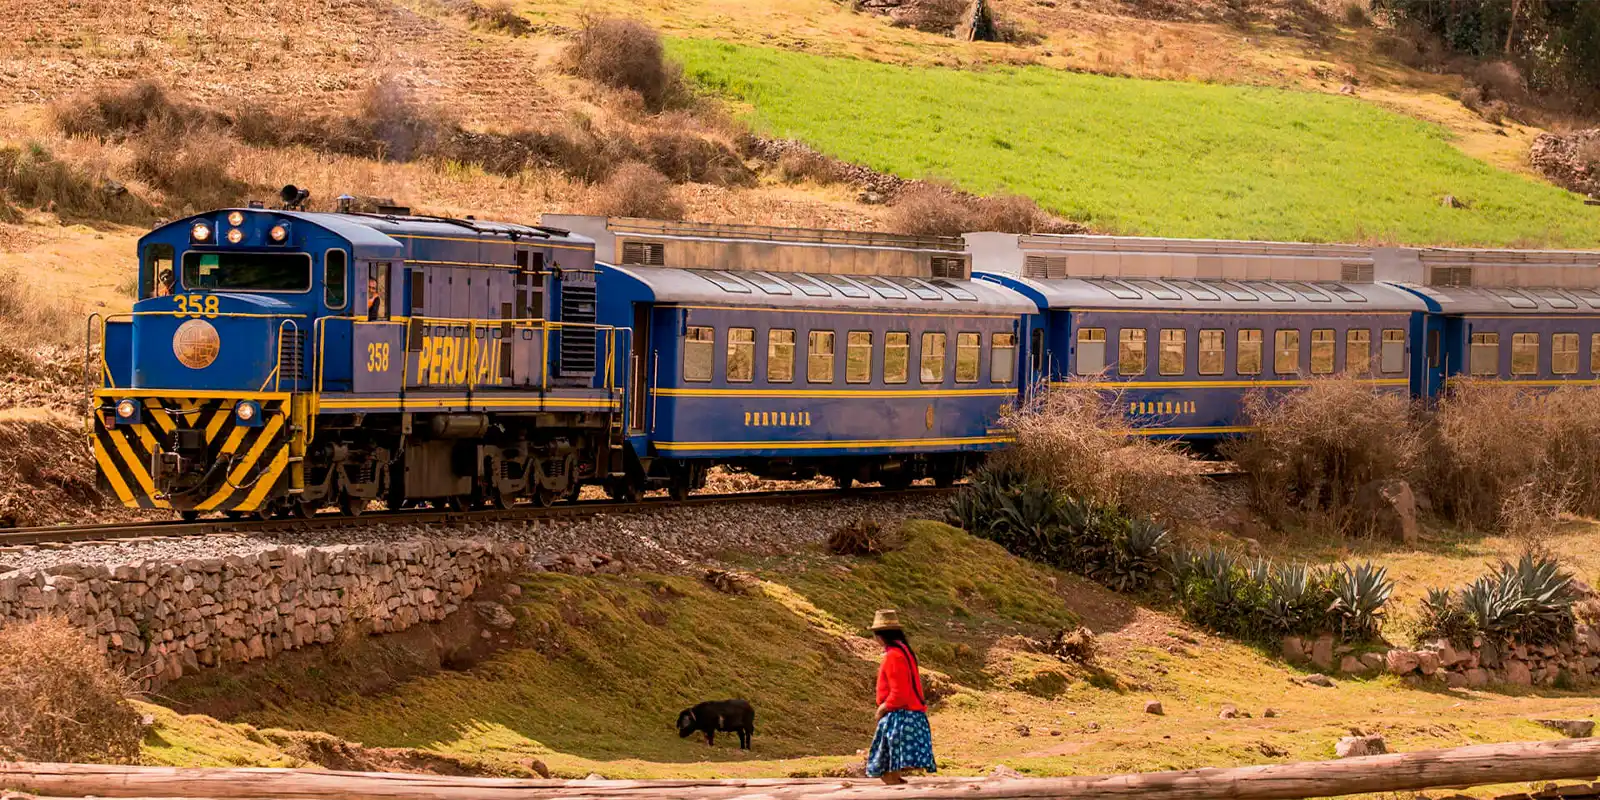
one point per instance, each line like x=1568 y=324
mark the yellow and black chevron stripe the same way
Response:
x=251 y=462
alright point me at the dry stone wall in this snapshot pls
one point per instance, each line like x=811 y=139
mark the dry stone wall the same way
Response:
x=1575 y=663
x=160 y=620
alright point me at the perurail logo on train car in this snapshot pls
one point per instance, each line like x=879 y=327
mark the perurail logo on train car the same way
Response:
x=456 y=361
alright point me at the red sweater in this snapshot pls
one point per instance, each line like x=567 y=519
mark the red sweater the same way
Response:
x=899 y=685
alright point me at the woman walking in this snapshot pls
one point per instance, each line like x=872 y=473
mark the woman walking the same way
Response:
x=903 y=741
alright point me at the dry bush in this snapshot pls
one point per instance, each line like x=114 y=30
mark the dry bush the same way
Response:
x=32 y=176
x=1313 y=449
x=115 y=113
x=60 y=701
x=405 y=128
x=938 y=209
x=49 y=472
x=626 y=54
x=635 y=190
x=1009 y=213
x=932 y=16
x=1357 y=13
x=499 y=15
x=864 y=537
x=730 y=581
x=1501 y=80
x=1075 y=438
x=192 y=171
x=1589 y=154
x=687 y=158
x=798 y=166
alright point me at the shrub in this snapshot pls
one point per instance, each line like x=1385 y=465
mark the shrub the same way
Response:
x=191 y=170
x=1257 y=600
x=1312 y=449
x=1357 y=14
x=1529 y=602
x=32 y=176
x=499 y=15
x=938 y=209
x=685 y=157
x=932 y=16
x=60 y=700
x=863 y=537
x=1360 y=595
x=635 y=190
x=626 y=54
x=116 y=113
x=799 y=165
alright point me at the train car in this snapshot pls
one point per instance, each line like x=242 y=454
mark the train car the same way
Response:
x=1182 y=329
x=793 y=353
x=1526 y=317
x=279 y=361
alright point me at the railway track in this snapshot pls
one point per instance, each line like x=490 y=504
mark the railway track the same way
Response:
x=117 y=531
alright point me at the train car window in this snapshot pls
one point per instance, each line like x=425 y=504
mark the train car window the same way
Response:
x=882 y=287
x=1343 y=292
x=1200 y=291
x=1286 y=352
x=1273 y=293
x=335 y=280
x=1002 y=358
x=1322 y=351
x=1555 y=298
x=955 y=290
x=819 y=357
x=1249 y=362
x=1305 y=290
x=1594 y=353
x=1213 y=351
x=809 y=285
x=780 y=356
x=769 y=283
x=1237 y=292
x=1091 y=350
x=1358 y=351
x=1524 y=354
x=896 y=357
x=1564 y=354
x=1174 y=351
x=1589 y=296
x=969 y=346
x=1433 y=349
x=858 y=357
x=921 y=290
x=933 y=357
x=1157 y=290
x=1515 y=299
x=741 y=364
x=157 y=279
x=1131 y=351
x=1036 y=354
x=378 y=291
x=699 y=350
x=247 y=272
x=419 y=291
x=1393 y=353
x=846 y=287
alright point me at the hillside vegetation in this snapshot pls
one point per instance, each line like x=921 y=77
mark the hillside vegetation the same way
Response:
x=1147 y=157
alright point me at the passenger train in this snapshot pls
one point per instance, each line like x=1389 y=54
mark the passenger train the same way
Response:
x=281 y=362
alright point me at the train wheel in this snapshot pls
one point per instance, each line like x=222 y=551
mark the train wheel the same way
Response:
x=460 y=502
x=297 y=509
x=189 y=516
x=944 y=479
x=352 y=506
x=545 y=497
x=897 y=481
x=499 y=500
x=844 y=482
x=624 y=491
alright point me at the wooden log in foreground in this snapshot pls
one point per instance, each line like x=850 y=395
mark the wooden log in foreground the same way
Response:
x=1465 y=766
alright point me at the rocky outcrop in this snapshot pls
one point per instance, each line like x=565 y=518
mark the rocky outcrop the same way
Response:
x=1570 y=160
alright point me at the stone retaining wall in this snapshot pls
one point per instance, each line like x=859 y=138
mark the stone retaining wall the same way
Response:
x=158 y=621
x=1575 y=663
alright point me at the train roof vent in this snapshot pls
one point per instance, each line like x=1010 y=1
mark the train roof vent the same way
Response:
x=1045 y=267
x=1356 y=272
x=952 y=267
x=644 y=254
x=1455 y=277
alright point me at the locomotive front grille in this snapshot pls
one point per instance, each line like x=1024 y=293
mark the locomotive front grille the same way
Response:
x=578 y=344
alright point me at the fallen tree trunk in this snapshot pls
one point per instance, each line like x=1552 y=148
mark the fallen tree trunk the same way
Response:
x=1465 y=766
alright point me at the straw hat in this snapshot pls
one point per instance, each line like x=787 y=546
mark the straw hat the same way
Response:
x=886 y=619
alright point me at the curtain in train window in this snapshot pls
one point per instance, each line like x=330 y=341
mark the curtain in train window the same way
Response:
x=1130 y=351
x=780 y=356
x=699 y=352
x=1393 y=354
x=1485 y=356
x=1357 y=351
x=1002 y=357
x=1286 y=352
x=741 y=355
x=1091 y=350
x=1524 y=354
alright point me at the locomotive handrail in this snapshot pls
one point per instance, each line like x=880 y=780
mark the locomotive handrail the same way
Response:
x=106 y=379
x=276 y=378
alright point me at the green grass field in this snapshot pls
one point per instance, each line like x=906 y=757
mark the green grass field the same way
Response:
x=1149 y=157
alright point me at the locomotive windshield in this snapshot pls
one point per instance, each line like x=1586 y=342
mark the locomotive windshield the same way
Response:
x=247 y=272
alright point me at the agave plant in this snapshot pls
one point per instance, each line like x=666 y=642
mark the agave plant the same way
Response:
x=1297 y=599
x=1529 y=601
x=1445 y=618
x=1136 y=555
x=1360 y=594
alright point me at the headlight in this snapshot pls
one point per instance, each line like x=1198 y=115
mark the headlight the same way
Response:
x=278 y=233
x=246 y=411
x=235 y=236
x=235 y=218
x=127 y=408
x=200 y=231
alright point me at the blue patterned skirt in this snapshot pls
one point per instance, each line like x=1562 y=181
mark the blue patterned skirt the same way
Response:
x=903 y=742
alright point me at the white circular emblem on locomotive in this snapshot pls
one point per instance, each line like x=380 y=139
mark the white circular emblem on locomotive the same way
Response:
x=196 y=344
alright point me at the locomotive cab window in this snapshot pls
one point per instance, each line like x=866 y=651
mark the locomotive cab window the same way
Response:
x=1524 y=354
x=1322 y=351
x=1393 y=354
x=1358 y=351
x=699 y=352
x=1564 y=353
x=933 y=357
x=969 y=346
x=741 y=355
x=819 y=357
x=858 y=357
x=896 y=357
x=1174 y=351
x=1249 y=362
x=1213 y=351
x=1485 y=356
x=157 y=279
x=1002 y=358
x=1286 y=352
x=1091 y=350
x=378 y=291
x=335 y=280
x=247 y=272
x=780 y=356
x=1131 y=351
